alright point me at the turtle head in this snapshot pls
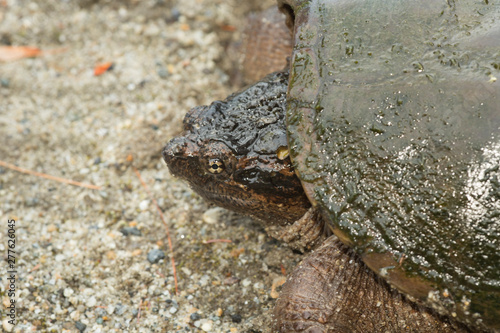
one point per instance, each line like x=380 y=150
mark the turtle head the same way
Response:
x=233 y=153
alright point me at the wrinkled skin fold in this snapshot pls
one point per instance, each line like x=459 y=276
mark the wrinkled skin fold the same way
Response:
x=332 y=290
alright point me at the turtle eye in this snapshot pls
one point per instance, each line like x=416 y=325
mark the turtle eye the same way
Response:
x=215 y=166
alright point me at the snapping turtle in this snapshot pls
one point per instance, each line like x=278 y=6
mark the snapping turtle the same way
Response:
x=391 y=141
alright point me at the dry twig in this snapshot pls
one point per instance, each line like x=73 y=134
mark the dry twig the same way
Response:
x=46 y=176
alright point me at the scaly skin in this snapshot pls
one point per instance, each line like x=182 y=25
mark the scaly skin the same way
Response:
x=332 y=290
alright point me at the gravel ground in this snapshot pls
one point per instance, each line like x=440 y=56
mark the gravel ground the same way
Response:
x=98 y=260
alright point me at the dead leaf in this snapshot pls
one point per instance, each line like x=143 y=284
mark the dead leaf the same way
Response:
x=283 y=270
x=102 y=68
x=11 y=53
x=227 y=27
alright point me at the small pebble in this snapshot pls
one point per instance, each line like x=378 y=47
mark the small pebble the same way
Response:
x=175 y=14
x=120 y=309
x=144 y=205
x=162 y=72
x=7 y=326
x=195 y=316
x=84 y=171
x=110 y=309
x=31 y=202
x=173 y=302
x=80 y=326
x=236 y=318
x=91 y=302
x=246 y=282
x=230 y=280
x=4 y=82
x=100 y=312
x=75 y=315
x=186 y=271
x=73 y=300
x=126 y=231
x=155 y=255
x=152 y=30
x=203 y=281
x=173 y=310
x=68 y=292
x=122 y=12
x=212 y=215
x=207 y=326
x=258 y=285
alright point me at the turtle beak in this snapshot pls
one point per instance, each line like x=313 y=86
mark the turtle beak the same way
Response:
x=175 y=155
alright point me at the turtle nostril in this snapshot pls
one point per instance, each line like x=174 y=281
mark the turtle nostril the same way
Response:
x=175 y=154
x=175 y=148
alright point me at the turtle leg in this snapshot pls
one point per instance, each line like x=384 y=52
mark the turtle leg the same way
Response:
x=305 y=234
x=332 y=290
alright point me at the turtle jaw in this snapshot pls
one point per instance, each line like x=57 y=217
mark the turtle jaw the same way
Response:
x=274 y=196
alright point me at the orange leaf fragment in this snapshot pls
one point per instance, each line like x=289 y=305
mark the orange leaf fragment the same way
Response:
x=11 y=53
x=227 y=27
x=102 y=68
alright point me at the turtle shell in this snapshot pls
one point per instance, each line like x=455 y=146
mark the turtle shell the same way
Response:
x=393 y=123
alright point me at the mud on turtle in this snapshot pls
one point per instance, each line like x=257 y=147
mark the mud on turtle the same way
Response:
x=390 y=115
